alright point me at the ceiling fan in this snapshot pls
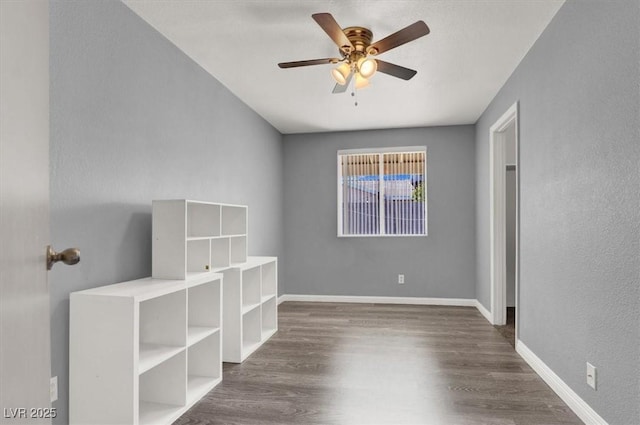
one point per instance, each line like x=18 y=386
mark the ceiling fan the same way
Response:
x=357 y=52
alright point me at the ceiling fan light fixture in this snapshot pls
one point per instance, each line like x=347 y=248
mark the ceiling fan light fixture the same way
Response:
x=367 y=67
x=361 y=82
x=341 y=73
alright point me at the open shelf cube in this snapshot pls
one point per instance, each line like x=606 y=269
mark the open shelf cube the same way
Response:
x=204 y=366
x=250 y=288
x=204 y=311
x=203 y=219
x=269 y=279
x=251 y=330
x=204 y=304
x=163 y=390
x=269 y=317
x=238 y=249
x=162 y=324
x=234 y=220
x=198 y=256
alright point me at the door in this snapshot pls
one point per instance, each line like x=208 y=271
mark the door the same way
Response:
x=25 y=364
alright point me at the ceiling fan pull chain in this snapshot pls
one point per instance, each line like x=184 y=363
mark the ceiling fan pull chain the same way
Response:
x=354 y=93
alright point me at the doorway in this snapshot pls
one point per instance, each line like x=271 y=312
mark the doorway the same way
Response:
x=504 y=183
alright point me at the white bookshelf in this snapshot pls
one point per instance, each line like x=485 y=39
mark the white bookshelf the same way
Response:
x=143 y=351
x=192 y=237
x=250 y=313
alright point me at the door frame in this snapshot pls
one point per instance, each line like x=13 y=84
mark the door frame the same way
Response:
x=497 y=202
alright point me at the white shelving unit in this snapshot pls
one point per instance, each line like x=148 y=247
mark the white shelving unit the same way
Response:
x=191 y=237
x=142 y=352
x=250 y=314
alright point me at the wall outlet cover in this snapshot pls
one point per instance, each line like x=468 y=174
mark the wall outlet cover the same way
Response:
x=592 y=376
x=53 y=389
x=401 y=279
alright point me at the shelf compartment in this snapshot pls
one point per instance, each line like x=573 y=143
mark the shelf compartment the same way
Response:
x=196 y=334
x=163 y=320
x=238 y=249
x=163 y=390
x=269 y=278
x=198 y=386
x=220 y=249
x=198 y=255
x=234 y=220
x=269 y=316
x=250 y=287
x=251 y=331
x=203 y=219
x=204 y=304
x=204 y=366
x=152 y=355
x=246 y=309
x=157 y=413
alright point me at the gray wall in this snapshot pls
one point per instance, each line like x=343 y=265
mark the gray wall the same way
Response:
x=133 y=119
x=579 y=196
x=317 y=262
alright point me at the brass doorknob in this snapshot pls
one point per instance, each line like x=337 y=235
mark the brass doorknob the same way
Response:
x=69 y=256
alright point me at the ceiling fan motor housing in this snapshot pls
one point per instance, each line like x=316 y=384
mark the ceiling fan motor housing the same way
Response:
x=361 y=38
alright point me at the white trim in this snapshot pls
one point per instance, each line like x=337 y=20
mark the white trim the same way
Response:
x=381 y=213
x=460 y=302
x=573 y=400
x=497 y=228
x=408 y=149
x=339 y=192
x=486 y=313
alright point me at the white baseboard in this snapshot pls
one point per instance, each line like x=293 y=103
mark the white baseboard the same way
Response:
x=486 y=313
x=573 y=400
x=461 y=302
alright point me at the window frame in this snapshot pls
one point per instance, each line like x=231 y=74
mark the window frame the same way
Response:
x=381 y=152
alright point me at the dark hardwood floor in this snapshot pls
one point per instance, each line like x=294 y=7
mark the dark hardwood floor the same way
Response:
x=381 y=364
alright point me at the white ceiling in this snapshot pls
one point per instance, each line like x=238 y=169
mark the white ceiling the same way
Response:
x=473 y=47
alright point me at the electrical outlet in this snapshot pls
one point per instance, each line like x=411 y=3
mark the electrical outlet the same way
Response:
x=53 y=389
x=400 y=279
x=592 y=376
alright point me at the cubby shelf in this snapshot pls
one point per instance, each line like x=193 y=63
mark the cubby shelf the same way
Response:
x=144 y=351
x=150 y=343
x=194 y=236
x=250 y=313
x=198 y=333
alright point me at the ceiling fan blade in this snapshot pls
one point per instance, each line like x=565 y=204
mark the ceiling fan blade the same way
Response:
x=405 y=35
x=395 y=70
x=333 y=30
x=296 y=64
x=341 y=88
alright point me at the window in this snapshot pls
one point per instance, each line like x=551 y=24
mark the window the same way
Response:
x=382 y=192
